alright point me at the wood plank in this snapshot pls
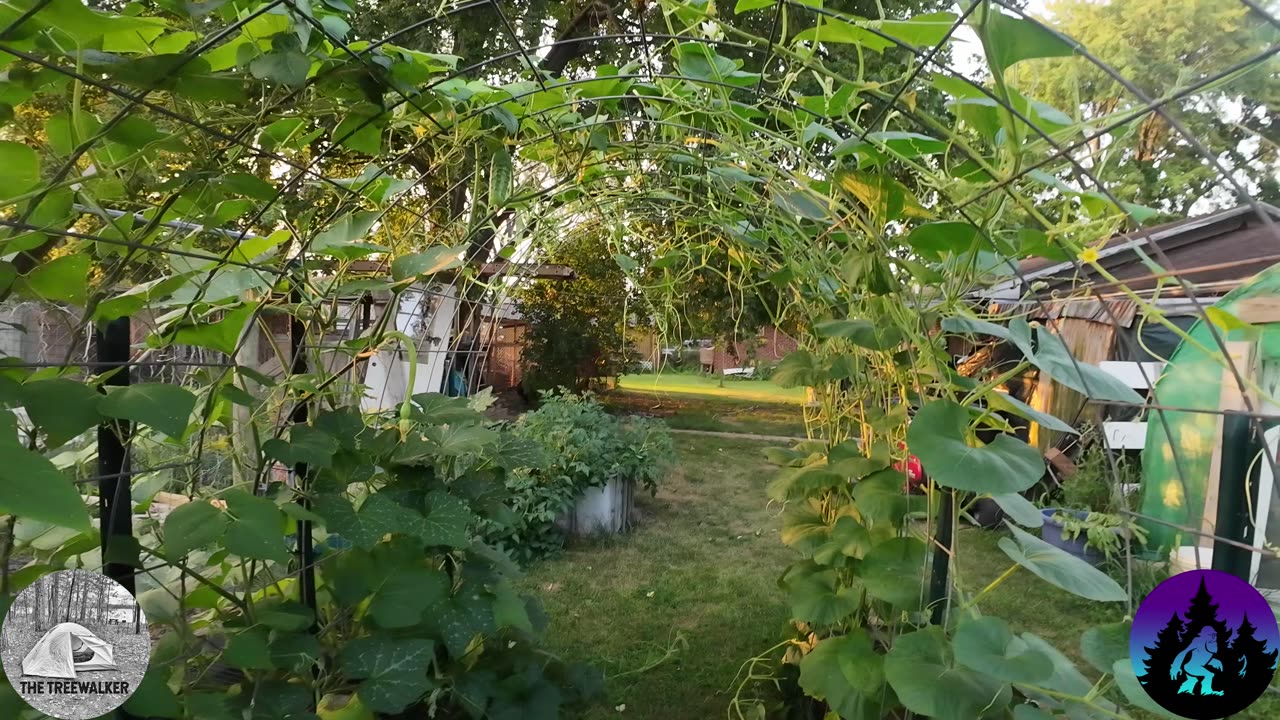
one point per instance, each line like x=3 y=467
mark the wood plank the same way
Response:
x=1231 y=398
x=1258 y=310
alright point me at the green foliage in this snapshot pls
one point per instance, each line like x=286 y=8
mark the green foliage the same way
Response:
x=577 y=329
x=794 y=167
x=1103 y=532
x=579 y=446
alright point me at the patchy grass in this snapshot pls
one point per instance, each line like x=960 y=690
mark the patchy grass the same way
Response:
x=693 y=412
x=671 y=611
x=711 y=386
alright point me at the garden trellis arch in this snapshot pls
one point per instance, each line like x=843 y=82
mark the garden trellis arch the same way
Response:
x=875 y=209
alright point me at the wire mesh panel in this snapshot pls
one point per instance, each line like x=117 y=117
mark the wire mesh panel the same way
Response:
x=257 y=255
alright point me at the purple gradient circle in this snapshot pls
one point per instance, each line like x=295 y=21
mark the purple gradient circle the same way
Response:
x=1204 y=644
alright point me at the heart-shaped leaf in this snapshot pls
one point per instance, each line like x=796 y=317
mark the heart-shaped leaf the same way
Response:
x=939 y=437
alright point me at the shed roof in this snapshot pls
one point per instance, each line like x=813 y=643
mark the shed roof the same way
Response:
x=1213 y=252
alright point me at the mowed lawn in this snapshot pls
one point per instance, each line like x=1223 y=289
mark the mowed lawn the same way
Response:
x=671 y=611
x=716 y=414
x=711 y=386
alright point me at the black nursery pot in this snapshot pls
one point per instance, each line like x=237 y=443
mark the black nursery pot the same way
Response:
x=1052 y=533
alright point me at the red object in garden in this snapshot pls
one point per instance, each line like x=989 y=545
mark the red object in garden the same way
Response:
x=913 y=469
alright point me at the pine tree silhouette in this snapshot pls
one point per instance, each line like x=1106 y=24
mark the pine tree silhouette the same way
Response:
x=1203 y=613
x=1169 y=642
x=1254 y=663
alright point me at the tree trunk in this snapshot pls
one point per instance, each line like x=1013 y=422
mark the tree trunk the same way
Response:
x=137 y=617
x=66 y=616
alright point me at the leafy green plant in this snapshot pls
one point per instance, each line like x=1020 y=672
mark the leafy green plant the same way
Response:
x=580 y=446
x=1100 y=476
x=1105 y=532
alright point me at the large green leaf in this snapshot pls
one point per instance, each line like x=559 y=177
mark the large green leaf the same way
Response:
x=942 y=237
x=798 y=369
x=986 y=645
x=921 y=670
x=925 y=30
x=377 y=517
x=394 y=672
x=1105 y=645
x=432 y=260
x=447 y=522
x=153 y=698
x=1053 y=357
x=862 y=333
x=793 y=483
x=1133 y=691
x=21 y=169
x=405 y=593
x=343 y=238
x=33 y=488
x=939 y=437
x=1008 y=403
x=831 y=30
x=821 y=599
x=1009 y=40
x=847 y=673
x=286 y=67
x=161 y=406
x=249 y=650
x=222 y=335
x=1060 y=568
x=1020 y=509
x=191 y=527
x=63 y=279
x=892 y=571
x=465 y=615
x=62 y=408
x=256 y=530
x=881 y=498
x=306 y=444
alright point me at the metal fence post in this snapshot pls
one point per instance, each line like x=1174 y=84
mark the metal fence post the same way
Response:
x=298 y=366
x=115 y=504
x=1237 y=482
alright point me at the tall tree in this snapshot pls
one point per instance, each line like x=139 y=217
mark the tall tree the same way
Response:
x=577 y=329
x=1160 y=46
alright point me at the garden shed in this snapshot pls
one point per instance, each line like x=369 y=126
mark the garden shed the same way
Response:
x=1100 y=323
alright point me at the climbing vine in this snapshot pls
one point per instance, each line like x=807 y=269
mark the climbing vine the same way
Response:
x=211 y=170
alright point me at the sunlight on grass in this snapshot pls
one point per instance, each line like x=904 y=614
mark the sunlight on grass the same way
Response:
x=758 y=390
x=716 y=414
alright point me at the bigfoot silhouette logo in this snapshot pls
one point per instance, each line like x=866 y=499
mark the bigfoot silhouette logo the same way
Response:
x=1204 y=644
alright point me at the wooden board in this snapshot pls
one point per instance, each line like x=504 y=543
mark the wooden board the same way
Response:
x=1231 y=398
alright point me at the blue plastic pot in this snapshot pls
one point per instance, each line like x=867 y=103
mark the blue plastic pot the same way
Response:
x=1052 y=533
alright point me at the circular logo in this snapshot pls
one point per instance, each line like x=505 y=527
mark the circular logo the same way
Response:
x=1204 y=644
x=75 y=645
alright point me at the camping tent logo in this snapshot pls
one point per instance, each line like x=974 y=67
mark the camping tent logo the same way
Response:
x=1204 y=644
x=75 y=645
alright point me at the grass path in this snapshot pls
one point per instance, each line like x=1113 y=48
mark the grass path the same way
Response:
x=671 y=611
x=692 y=591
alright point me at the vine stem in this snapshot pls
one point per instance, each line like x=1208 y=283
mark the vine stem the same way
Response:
x=244 y=607
x=992 y=586
x=1074 y=698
